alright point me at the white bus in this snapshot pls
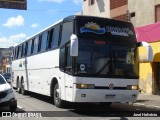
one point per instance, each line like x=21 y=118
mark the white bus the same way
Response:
x=79 y=59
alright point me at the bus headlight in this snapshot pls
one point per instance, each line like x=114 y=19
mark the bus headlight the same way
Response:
x=85 y=86
x=132 y=87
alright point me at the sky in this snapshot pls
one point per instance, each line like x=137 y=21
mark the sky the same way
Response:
x=18 y=25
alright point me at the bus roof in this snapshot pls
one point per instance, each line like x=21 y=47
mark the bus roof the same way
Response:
x=70 y=18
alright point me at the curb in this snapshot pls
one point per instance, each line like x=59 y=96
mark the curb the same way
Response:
x=146 y=105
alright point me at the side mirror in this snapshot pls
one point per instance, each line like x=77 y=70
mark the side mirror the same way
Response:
x=9 y=81
x=74 y=45
x=146 y=52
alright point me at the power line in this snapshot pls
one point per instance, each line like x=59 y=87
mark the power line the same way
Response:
x=50 y=11
x=30 y=10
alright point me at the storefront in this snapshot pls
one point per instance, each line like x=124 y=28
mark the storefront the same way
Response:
x=149 y=58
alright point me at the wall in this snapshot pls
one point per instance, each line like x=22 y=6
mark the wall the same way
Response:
x=100 y=8
x=156 y=51
x=146 y=69
x=118 y=9
x=144 y=11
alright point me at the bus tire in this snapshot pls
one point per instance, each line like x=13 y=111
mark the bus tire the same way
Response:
x=105 y=104
x=13 y=107
x=23 y=91
x=56 y=96
x=18 y=87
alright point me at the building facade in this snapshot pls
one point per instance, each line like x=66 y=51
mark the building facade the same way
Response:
x=144 y=12
x=145 y=15
x=139 y=12
x=149 y=58
x=116 y=9
x=96 y=8
x=5 y=59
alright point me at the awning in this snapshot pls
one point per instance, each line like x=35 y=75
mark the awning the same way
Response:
x=148 y=33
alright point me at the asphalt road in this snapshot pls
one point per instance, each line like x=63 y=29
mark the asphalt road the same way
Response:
x=39 y=105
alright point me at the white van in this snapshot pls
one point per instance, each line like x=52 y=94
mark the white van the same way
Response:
x=7 y=95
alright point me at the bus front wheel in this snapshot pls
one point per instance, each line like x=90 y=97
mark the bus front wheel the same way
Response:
x=23 y=91
x=56 y=95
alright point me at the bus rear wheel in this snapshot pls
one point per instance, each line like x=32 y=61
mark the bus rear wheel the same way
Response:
x=18 y=87
x=56 y=96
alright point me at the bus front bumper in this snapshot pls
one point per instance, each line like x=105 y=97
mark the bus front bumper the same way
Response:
x=91 y=95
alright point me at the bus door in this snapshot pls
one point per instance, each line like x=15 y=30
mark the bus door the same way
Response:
x=66 y=68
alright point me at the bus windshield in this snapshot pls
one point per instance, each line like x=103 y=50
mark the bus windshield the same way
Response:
x=101 y=58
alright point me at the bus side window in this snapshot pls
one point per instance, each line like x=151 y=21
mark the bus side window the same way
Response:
x=44 y=41
x=49 y=39
x=29 y=47
x=62 y=59
x=35 y=45
x=15 y=53
x=39 y=43
x=32 y=47
x=22 y=50
x=19 y=51
x=55 y=36
x=26 y=49
x=67 y=31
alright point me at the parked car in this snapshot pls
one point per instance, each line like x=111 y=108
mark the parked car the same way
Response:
x=7 y=95
x=7 y=76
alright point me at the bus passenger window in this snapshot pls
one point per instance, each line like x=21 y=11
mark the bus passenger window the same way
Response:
x=44 y=41
x=26 y=48
x=35 y=45
x=50 y=39
x=55 y=41
x=39 y=43
x=19 y=51
x=22 y=50
x=32 y=48
x=15 y=53
x=29 y=47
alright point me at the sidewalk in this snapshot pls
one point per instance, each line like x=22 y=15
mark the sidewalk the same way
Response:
x=149 y=101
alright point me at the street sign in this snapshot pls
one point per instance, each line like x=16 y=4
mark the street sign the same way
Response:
x=14 y=4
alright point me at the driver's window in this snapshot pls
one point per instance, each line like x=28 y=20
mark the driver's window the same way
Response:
x=65 y=60
x=62 y=59
x=68 y=60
